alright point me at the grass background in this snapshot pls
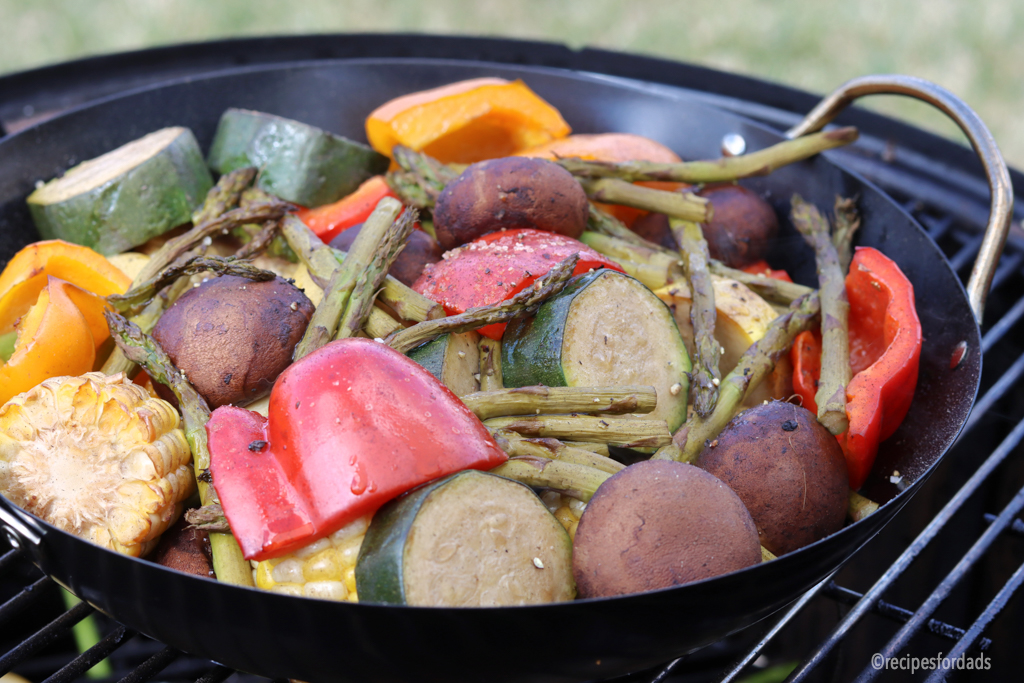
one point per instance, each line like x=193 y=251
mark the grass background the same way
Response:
x=972 y=48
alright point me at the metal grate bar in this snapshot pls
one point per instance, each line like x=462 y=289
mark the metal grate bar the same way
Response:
x=93 y=655
x=899 y=614
x=910 y=554
x=218 y=674
x=755 y=652
x=152 y=666
x=1017 y=527
x=1009 y=265
x=965 y=255
x=997 y=331
x=44 y=636
x=990 y=613
x=25 y=598
x=9 y=558
x=903 y=636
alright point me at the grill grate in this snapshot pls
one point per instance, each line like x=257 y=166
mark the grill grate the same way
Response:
x=960 y=586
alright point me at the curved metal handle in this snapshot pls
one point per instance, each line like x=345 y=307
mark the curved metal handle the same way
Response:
x=22 y=530
x=1001 y=206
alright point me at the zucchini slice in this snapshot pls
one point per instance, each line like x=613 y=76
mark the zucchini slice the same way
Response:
x=297 y=162
x=469 y=540
x=604 y=329
x=127 y=196
x=454 y=359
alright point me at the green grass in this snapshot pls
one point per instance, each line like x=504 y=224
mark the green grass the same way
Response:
x=973 y=49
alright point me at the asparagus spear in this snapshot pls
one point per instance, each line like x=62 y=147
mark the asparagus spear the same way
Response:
x=686 y=206
x=225 y=195
x=490 y=365
x=847 y=223
x=515 y=444
x=378 y=234
x=140 y=348
x=725 y=169
x=576 y=481
x=553 y=400
x=322 y=261
x=627 y=432
x=768 y=288
x=525 y=302
x=368 y=283
x=753 y=366
x=142 y=294
x=835 y=311
x=600 y=221
x=705 y=374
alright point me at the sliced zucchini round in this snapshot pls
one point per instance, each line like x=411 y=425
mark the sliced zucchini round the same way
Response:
x=127 y=196
x=297 y=162
x=454 y=359
x=469 y=540
x=604 y=329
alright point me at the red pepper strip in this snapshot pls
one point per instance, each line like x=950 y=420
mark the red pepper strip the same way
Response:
x=498 y=266
x=332 y=219
x=885 y=351
x=350 y=427
x=762 y=268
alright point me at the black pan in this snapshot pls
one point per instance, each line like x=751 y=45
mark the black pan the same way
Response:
x=279 y=636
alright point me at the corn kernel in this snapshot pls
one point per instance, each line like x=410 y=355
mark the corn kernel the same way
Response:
x=350 y=580
x=288 y=571
x=264 y=575
x=288 y=589
x=564 y=516
x=326 y=590
x=326 y=565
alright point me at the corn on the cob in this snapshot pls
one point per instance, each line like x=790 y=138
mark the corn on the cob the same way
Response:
x=324 y=569
x=98 y=457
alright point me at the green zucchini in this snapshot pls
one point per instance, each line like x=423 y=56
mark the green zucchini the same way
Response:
x=604 y=329
x=469 y=540
x=454 y=359
x=297 y=162
x=127 y=196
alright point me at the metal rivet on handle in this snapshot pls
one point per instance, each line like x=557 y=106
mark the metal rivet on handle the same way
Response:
x=733 y=145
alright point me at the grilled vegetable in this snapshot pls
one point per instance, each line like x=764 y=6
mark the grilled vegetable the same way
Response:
x=658 y=524
x=472 y=539
x=351 y=426
x=232 y=337
x=324 y=569
x=743 y=225
x=330 y=220
x=509 y=193
x=463 y=122
x=298 y=162
x=97 y=457
x=788 y=470
x=603 y=329
x=454 y=359
x=496 y=267
x=420 y=249
x=127 y=196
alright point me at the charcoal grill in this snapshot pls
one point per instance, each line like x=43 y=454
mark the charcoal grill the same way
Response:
x=945 y=593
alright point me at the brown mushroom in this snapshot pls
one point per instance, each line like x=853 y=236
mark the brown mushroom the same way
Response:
x=787 y=469
x=232 y=337
x=742 y=227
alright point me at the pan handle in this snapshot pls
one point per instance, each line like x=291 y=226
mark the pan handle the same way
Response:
x=21 y=530
x=1001 y=206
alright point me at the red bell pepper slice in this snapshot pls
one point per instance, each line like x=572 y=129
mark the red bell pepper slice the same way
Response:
x=885 y=352
x=498 y=266
x=350 y=427
x=330 y=220
x=762 y=268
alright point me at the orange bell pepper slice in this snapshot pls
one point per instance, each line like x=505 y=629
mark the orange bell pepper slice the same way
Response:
x=465 y=122
x=885 y=351
x=54 y=337
x=73 y=263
